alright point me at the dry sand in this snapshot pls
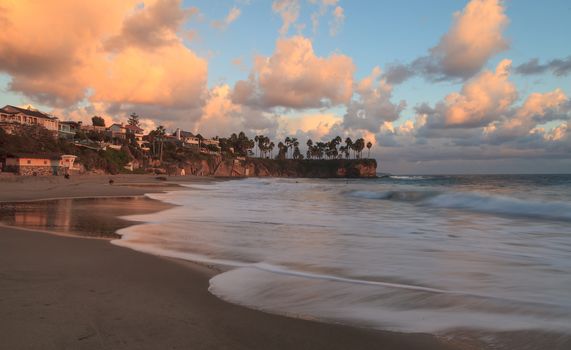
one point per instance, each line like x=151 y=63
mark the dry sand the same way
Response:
x=72 y=293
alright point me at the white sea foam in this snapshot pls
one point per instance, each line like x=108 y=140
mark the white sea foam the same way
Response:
x=426 y=257
x=480 y=202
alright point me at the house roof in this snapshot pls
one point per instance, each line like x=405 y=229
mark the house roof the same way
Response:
x=9 y=109
x=184 y=134
x=133 y=128
x=70 y=122
x=34 y=155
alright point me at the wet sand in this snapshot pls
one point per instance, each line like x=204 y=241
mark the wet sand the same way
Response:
x=71 y=293
x=85 y=217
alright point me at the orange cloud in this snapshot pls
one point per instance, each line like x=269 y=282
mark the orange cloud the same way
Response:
x=107 y=51
x=482 y=99
x=315 y=126
x=475 y=36
x=294 y=77
x=289 y=12
x=220 y=116
x=372 y=106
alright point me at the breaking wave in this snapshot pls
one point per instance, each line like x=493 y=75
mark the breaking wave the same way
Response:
x=490 y=204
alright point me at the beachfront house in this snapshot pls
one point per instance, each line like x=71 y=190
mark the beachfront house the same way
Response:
x=32 y=164
x=11 y=117
x=40 y=164
x=136 y=132
x=68 y=129
x=187 y=138
x=118 y=131
x=95 y=128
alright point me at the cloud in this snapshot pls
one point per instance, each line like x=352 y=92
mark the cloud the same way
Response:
x=475 y=36
x=372 y=105
x=288 y=11
x=337 y=13
x=311 y=126
x=125 y=54
x=338 y=19
x=538 y=109
x=171 y=76
x=482 y=99
x=559 y=67
x=294 y=77
x=152 y=26
x=220 y=116
x=229 y=19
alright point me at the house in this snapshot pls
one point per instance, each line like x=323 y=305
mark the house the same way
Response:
x=137 y=133
x=186 y=137
x=118 y=131
x=40 y=164
x=11 y=117
x=32 y=164
x=68 y=129
x=95 y=128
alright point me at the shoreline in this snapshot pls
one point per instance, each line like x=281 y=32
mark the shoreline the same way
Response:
x=240 y=326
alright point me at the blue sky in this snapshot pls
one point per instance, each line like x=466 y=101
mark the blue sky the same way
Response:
x=175 y=67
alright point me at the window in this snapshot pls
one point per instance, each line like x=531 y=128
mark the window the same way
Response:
x=45 y=162
x=29 y=161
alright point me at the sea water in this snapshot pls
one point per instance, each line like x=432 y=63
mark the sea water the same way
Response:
x=406 y=253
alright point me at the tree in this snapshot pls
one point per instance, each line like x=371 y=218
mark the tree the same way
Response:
x=134 y=120
x=358 y=146
x=271 y=149
x=369 y=145
x=97 y=121
x=349 y=144
x=282 y=150
x=297 y=154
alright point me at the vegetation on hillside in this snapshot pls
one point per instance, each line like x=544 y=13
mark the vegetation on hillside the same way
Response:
x=104 y=151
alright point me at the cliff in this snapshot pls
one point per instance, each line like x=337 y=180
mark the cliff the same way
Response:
x=335 y=168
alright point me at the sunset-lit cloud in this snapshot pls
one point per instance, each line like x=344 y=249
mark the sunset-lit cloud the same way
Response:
x=482 y=99
x=288 y=11
x=475 y=36
x=314 y=126
x=220 y=116
x=325 y=6
x=105 y=51
x=433 y=86
x=295 y=77
x=231 y=17
x=372 y=105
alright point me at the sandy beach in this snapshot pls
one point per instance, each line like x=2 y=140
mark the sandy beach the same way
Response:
x=72 y=293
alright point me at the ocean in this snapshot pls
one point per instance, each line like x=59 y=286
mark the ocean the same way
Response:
x=439 y=254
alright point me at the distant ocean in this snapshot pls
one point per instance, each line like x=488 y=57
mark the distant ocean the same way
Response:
x=407 y=253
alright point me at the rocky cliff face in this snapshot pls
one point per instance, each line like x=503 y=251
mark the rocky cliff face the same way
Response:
x=336 y=168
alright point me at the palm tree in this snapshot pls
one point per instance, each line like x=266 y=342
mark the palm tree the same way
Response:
x=369 y=145
x=309 y=147
x=358 y=146
x=159 y=134
x=349 y=143
x=294 y=144
x=271 y=149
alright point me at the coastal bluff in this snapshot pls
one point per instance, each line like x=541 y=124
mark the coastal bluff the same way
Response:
x=256 y=167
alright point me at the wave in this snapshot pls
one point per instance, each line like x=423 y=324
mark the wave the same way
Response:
x=491 y=204
x=409 y=177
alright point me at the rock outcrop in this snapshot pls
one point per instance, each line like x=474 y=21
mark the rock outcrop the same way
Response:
x=255 y=167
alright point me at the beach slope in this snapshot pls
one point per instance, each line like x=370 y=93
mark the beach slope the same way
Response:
x=71 y=293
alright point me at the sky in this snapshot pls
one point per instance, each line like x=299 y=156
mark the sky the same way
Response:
x=446 y=86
